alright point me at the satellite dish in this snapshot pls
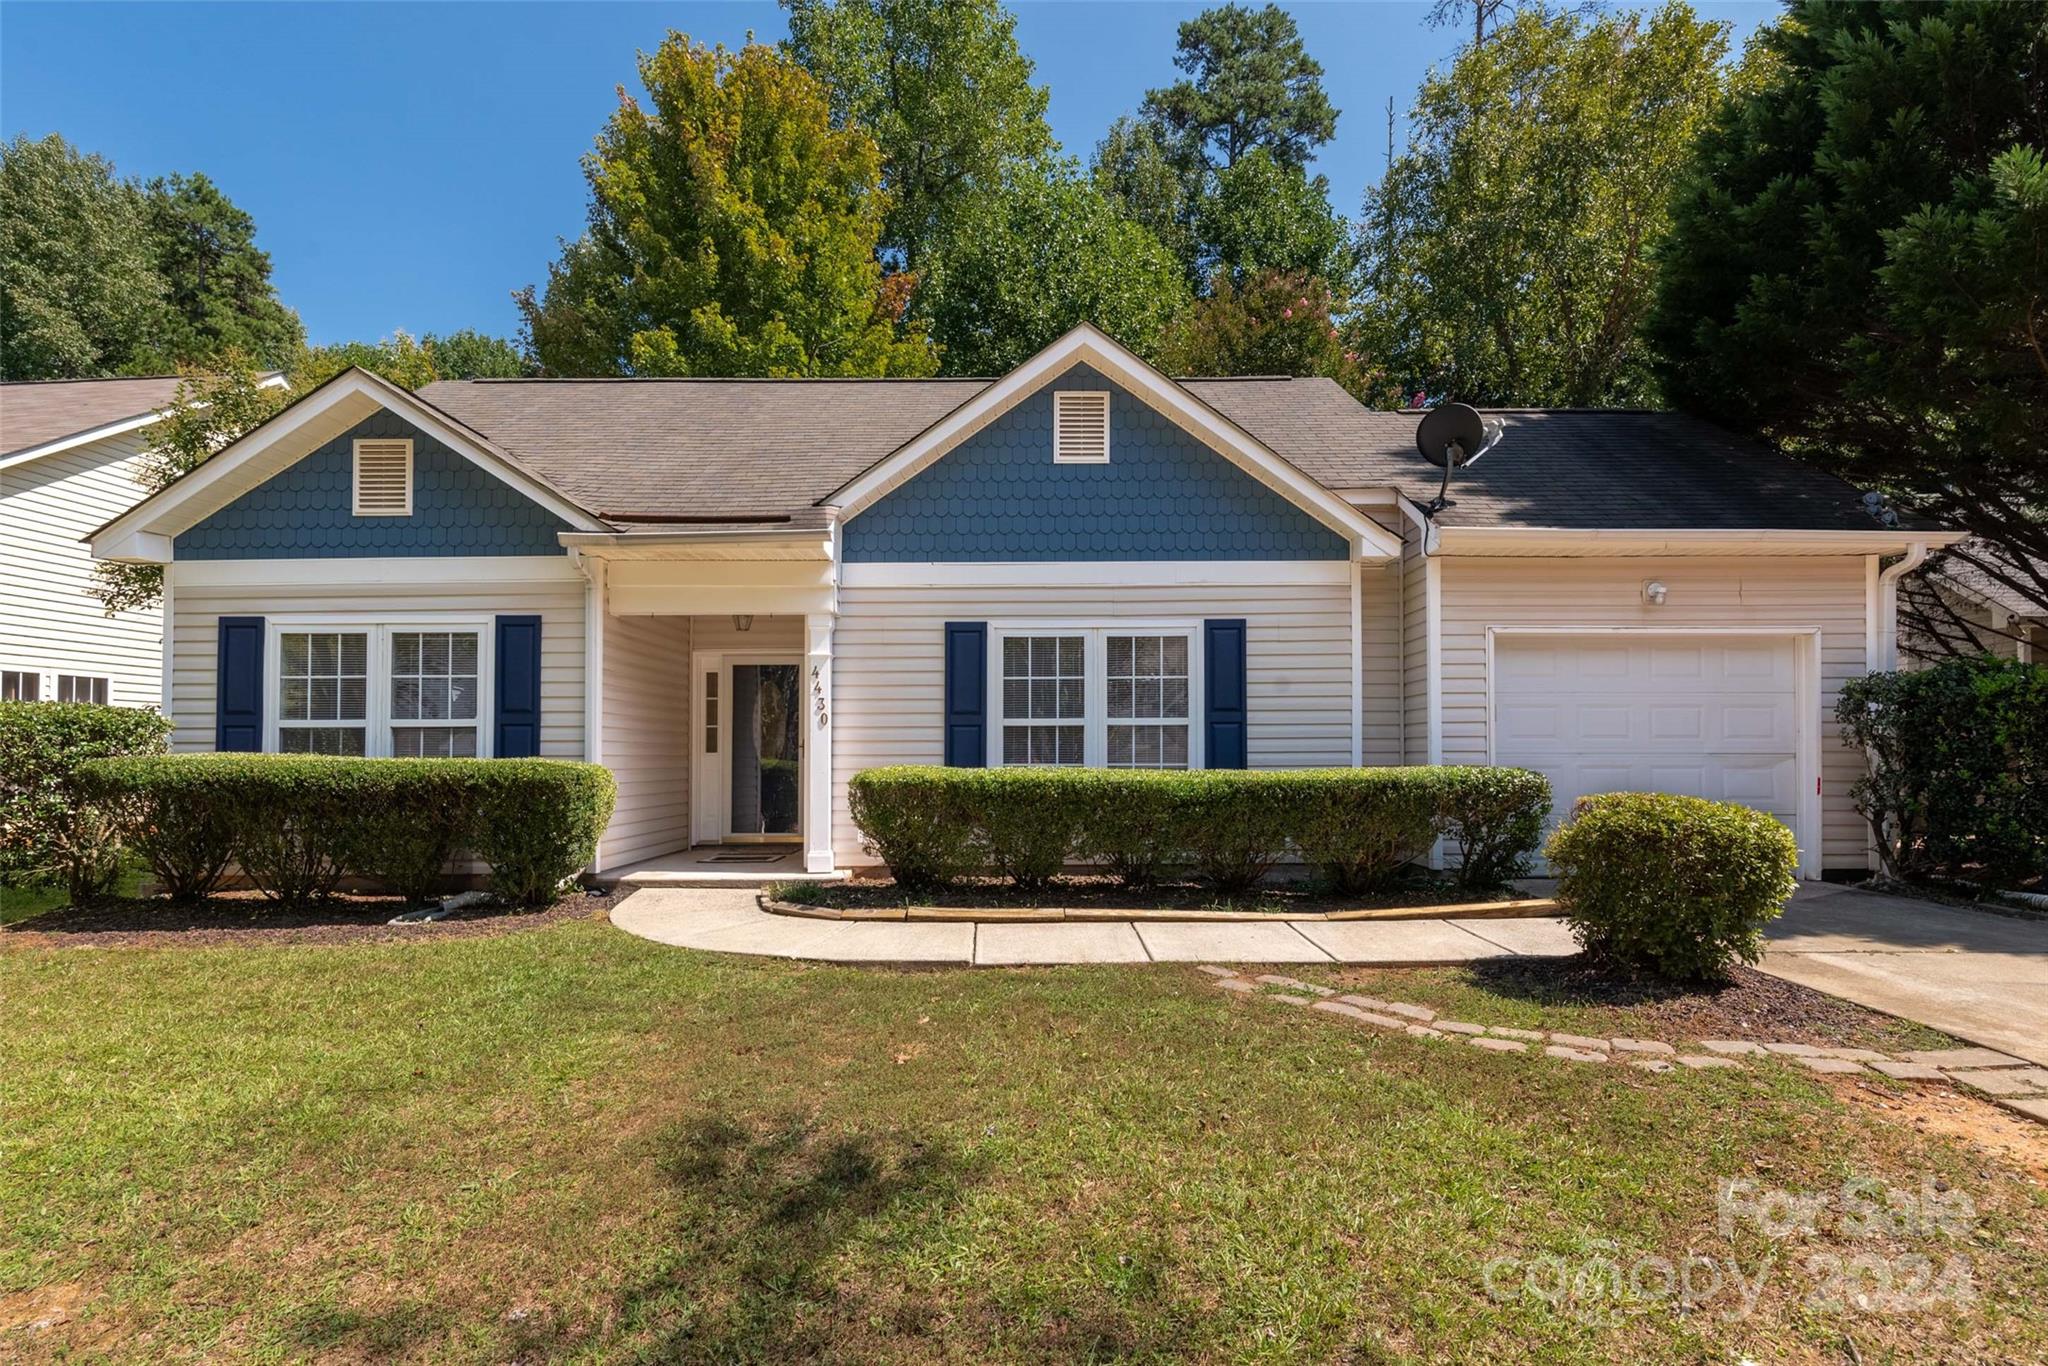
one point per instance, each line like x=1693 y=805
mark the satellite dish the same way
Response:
x=1451 y=436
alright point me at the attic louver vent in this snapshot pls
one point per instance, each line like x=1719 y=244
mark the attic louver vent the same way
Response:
x=1080 y=428
x=383 y=479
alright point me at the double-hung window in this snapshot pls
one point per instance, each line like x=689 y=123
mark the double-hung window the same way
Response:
x=407 y=690
x=1101 y=696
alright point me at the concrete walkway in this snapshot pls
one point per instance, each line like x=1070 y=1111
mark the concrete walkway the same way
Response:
x=1978 y=976
x=728 y=920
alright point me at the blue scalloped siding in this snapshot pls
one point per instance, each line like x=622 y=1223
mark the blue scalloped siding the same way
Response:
x=998 y=496
x=304 y=513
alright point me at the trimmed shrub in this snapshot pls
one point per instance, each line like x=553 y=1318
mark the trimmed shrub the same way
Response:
x=907 y=819
x=1677 y=885
x=1495 y=816
x=537 y=822
x=1958 y=778
x=172 y=814
x=298 y=824
x=1129 y=830
x=50 y=828
x=1229 y=826
x=1362 y=825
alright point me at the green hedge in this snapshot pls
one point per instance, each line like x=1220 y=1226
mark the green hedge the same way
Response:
x=1958 y=779
x=50 y=830
x=1677 y=885
x=298 y=824
x=1227 y=827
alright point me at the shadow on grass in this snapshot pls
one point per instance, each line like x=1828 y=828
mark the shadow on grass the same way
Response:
x=764 y=1214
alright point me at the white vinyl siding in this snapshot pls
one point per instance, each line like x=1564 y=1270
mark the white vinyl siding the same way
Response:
x=49 y=621
x=196 y=632
x=647 y=721
x=1788 y=593
x=888 y=669
x=1380 y=658
x=1414 y=630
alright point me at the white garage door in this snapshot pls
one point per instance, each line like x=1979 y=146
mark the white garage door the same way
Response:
x=1704 y=716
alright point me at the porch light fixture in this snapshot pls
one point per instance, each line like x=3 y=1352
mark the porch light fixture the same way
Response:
x=1654 y=592
x=743 y=622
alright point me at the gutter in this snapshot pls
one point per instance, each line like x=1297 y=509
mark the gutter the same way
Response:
x=1888 y=602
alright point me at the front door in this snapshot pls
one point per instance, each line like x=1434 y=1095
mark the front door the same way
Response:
x=763 y=783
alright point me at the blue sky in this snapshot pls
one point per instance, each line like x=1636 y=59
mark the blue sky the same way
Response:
x=409 y=165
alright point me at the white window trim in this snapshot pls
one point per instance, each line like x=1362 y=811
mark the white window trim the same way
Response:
x=1095 y=634
x=356 y=476
x=1059 y=459
x=380 y=628
x=46 y=676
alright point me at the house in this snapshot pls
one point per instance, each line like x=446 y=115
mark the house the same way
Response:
x=739 y=593
x=1955 y=605
x=74 y=451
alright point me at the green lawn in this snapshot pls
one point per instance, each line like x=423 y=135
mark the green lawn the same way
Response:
x=572 y=1144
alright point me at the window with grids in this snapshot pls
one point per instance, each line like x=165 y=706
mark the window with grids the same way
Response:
x=434 y=694
x=81 y=688
x=1045 y=699
x=323 y=692
x=1148 y=701
x=20 y=685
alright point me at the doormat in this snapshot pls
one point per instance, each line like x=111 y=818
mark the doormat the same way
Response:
x=747 y=858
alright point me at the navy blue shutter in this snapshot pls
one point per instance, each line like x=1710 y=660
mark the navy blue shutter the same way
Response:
x=518 y=690
x=1223 y=700
x=966 y=694
x=238 y=686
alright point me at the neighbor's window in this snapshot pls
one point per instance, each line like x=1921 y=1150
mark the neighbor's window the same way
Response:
x=81 y=688
x=434 y=694
x=323 y=685
x=1148 y=701
x=20 y=685
x=1045 y=699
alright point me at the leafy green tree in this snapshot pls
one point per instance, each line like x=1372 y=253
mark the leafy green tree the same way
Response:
x=469 y=354
x=80 y=294
x=1507 y=256
x=732 y=231
x=1250 y=83
x=1023 y=262
x=1138 y=170
x=1858 y=268
x=1264 y=216
x=218 y=281
x=942 y=87
x=1275 y=323
x=399 y=358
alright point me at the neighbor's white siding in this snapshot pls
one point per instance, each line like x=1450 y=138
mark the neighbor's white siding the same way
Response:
x=49 y=621
x=195 y=638
x=888 y=687
x=1787 y=593
x=647 y=723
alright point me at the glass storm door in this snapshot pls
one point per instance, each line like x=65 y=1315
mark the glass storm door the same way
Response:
x=767 y=733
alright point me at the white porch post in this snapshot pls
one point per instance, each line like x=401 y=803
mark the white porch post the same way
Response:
x=817 y=748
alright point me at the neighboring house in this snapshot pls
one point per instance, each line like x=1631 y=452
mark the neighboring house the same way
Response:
x=1955 y=606
x=739 y=593
x=73 y=454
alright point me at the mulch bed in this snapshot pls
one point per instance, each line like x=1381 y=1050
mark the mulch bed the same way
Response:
x=1083 y=892
x=1750 y=1005
x=246 y=918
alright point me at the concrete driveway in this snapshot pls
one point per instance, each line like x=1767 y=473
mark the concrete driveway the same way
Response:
x=1978 y=976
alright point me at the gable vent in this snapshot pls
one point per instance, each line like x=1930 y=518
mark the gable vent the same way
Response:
x=383 y=479
x=1080 y=428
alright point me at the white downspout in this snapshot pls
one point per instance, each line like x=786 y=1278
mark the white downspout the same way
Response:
x=1888 y=603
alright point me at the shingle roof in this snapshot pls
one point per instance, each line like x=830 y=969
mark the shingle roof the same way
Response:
x=36 y=412
x=682 y=450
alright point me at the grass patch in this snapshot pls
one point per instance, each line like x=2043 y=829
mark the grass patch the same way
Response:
x=573 y=1144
